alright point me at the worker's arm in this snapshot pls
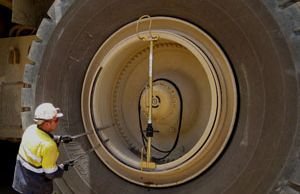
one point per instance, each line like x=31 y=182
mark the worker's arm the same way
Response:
x=50 y=155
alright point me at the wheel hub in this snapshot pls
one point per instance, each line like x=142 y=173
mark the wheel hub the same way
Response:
x=165 y=102
x=188 y=65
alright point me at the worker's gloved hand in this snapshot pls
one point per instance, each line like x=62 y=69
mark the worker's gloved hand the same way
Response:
x=65 y=138
x=65 y=166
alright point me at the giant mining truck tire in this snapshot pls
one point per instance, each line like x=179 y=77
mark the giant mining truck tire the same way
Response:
x=251 y=54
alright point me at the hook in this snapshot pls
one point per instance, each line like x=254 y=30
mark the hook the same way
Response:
x=151 y=36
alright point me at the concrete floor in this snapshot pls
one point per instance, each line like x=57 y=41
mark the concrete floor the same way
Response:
x=7 y=162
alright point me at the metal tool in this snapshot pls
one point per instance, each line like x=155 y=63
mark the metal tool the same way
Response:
x=149 y=130
x=89 y=132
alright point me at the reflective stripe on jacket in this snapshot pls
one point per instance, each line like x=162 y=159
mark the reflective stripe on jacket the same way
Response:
x=36 y=162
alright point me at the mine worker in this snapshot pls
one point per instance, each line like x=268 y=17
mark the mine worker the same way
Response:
x=36 y=165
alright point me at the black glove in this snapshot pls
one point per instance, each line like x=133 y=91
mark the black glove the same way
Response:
x=65 y=166
x=65 y=138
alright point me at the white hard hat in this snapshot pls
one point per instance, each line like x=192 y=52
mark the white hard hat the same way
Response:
x=46 y=111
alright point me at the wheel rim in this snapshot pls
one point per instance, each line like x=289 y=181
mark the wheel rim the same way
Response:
x=112 y=90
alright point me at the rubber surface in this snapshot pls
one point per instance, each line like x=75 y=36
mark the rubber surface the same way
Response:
x=261 y=39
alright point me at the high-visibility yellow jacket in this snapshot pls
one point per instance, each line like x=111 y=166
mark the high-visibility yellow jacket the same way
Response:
x=36 y=162
x=39 y=149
